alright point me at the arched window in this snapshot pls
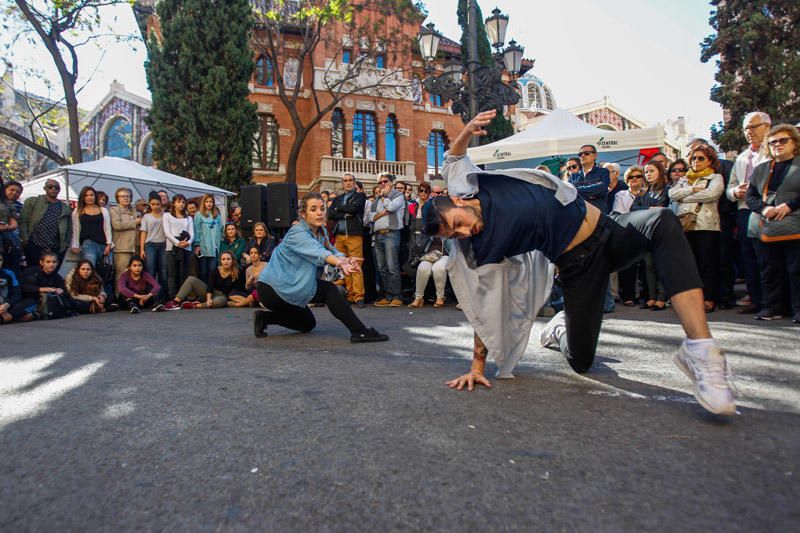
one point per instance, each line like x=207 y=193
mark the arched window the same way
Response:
x=117 y=142
x=437 y=144
x=390 y=138
x=265 y=75
x=265 y=144
x=337 y=133
x=365 y=140
x=534 y=97
x=147 y=153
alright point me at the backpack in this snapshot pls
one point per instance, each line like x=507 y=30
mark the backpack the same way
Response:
x=53 y=305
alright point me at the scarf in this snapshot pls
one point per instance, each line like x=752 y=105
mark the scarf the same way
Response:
x=692 y=176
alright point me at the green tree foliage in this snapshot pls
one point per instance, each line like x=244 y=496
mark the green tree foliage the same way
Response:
x=202 y=123
x=500 y=127
x=757 y=44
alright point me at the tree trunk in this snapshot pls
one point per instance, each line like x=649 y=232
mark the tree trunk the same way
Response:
x=294 y=155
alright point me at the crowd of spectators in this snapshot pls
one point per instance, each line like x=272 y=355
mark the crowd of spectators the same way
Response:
x=741 y=219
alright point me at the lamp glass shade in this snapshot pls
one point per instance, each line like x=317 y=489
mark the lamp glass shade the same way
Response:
x=428 y=42
x=496 y=26
x=512 y=57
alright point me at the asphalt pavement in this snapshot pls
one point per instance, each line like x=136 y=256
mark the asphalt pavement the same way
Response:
x=184 y=421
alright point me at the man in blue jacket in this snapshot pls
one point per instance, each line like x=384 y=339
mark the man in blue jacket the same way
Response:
x=592 y=181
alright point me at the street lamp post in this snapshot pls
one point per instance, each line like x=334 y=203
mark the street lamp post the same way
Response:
x=483 y=88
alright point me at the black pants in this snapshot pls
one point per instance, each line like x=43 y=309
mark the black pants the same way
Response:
x=617 y=243
x=302 y=319
x=178 y=260
x=752 y=273
x=728 y=253
x=705 y=247
x=780 y=274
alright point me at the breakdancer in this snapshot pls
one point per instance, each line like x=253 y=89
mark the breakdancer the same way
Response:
x=513 y=225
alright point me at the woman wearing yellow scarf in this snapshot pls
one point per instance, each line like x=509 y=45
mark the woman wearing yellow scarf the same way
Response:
x=697 y=196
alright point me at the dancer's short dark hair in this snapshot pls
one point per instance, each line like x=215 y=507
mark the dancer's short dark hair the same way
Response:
x=433 y=214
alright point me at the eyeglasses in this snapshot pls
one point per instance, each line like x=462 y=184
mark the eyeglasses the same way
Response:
x=586 y=152
x=572 y=167
x=754 y=126
x=699 y=158
x=383 y=182
x=779 y=142
x=676 y=170
x=425 y=191
x=437 y=193
x=56 y=187
x=635 y=176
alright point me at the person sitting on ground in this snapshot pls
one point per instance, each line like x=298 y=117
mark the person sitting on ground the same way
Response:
x=233 y=242
x=262 y=240
x=251 y=279
x=225 y=281
x=45 y=279
x=290 y=281
x=137 y=289
x=512 y=223
x=432 y=261
x=86 y=288
x=13 y=306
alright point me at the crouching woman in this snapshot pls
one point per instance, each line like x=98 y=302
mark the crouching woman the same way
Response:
x=290 y=281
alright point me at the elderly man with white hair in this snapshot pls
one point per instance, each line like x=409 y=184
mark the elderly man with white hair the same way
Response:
x=755 y=127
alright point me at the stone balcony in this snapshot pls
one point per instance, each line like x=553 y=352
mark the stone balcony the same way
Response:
x=365 y=170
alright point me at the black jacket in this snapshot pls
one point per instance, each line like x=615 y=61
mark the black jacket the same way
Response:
x=354 y=207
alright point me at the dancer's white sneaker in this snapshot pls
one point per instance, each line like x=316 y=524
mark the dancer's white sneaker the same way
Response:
x=708 y=374
x=553 y=331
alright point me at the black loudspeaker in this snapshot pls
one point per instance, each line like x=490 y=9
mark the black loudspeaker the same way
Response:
x=253 y=201
x=281 y=204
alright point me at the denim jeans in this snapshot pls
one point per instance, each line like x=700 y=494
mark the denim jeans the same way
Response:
x=387 y=257
x=207 y=266
x=155 y=263
x=93 y=251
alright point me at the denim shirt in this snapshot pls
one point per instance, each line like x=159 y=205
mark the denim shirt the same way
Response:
x=207 y=234
x=293 y=270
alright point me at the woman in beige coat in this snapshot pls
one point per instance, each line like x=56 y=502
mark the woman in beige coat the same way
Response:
x=124 y=229
x=698 y=194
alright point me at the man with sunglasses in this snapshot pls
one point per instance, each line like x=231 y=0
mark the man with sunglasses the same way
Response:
x=755 y=127
x=591 y=180
x=45 y=224
x=386 y=215
x=510 y=223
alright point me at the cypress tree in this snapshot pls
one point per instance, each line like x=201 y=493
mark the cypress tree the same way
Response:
x=759 y=67
x=202 y=123
x=500 y=127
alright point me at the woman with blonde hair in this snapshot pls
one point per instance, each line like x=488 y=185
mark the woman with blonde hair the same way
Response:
x=656 y=197
x=207 y=236
x=698 y=195
x=262 y=240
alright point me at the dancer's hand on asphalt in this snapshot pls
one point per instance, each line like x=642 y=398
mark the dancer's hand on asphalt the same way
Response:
x=469 y=380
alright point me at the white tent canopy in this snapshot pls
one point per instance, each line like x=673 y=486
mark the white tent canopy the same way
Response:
x=110 y=173
x=560 y=132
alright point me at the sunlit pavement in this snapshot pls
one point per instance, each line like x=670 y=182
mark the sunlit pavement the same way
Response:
x=186 y=421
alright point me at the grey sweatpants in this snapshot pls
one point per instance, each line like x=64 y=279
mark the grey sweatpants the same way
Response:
x=196 y=288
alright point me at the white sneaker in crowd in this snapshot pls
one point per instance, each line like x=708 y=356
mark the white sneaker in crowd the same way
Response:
x=553 y=331
x=708 y=373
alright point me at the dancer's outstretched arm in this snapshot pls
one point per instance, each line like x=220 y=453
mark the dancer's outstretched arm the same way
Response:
x=475 y=374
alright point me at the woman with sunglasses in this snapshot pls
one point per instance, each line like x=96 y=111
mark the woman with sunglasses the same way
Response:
x=634 y=179
x=774 y=196
x=572 y=168
x=698 y=193
x=677 y=170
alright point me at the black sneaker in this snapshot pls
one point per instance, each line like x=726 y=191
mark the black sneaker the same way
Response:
x=768 y=315
x=368 y=335
x=796 y=319
x=259 y=323
x=135 y=310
